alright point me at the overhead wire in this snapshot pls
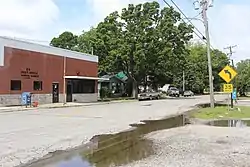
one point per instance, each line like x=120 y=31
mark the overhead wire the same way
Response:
x=199 y=34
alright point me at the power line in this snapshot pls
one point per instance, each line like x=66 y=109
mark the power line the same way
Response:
x=202 y=38
x=200 y=35
x=230 y=54
x=186 y=16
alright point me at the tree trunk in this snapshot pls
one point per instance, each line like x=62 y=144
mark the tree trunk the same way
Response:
x=145 y=84
x=135 y=89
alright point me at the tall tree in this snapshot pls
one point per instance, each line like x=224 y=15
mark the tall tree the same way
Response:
x=196 y=68
x=144 y=41
x=66 y=40
x=243 y=78
x=147 y=43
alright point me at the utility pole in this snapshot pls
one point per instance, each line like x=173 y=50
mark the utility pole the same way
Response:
x=64 y=81
x=92 y=50
x=230 y=54
x=183 y=81
x=205 y=4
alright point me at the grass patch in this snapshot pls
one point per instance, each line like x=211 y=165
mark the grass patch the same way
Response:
x=221 y=112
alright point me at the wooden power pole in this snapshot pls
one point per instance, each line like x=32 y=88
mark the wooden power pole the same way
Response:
x=230 y=54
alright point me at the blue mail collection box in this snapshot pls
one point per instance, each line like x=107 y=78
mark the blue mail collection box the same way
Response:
x=234 y=95
x=26 y=98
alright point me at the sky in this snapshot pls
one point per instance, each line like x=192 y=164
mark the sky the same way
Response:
x=41 y=20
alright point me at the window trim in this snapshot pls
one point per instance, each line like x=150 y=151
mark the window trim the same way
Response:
x=16 y=80
x=81 y=86
x=40 y=84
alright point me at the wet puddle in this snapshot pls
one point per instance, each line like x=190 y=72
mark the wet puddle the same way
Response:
x=230 y=123
x=112 y=149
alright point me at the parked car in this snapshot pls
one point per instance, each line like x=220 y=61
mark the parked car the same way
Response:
x=188 y=93
x=173 y=91
x=150 y=95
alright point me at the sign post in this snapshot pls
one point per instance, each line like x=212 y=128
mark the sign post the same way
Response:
x=228 y=74
x=228 y=88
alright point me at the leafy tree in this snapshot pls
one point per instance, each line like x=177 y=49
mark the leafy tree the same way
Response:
x=243 y=78
x=66 y=40
x=143 y=41
x=196 y=69
x=87 y=41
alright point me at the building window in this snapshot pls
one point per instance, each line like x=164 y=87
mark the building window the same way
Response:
x=83 y=86
x=37 y=85
x=15 y=85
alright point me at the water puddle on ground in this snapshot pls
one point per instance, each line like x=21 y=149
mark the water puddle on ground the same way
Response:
x=230 y=123
x=113 y=149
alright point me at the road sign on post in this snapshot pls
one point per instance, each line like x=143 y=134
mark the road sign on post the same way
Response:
x=227 y=88
x=227 y=74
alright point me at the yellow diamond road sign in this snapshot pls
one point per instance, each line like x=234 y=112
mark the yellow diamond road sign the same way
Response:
x=228 y=74
x=227 y=88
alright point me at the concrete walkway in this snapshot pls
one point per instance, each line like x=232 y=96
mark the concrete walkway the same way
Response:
x=57 y=105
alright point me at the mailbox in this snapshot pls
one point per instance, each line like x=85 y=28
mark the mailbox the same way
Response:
x=26 y=98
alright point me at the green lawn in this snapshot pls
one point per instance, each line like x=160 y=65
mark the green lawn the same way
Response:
x=221 y=112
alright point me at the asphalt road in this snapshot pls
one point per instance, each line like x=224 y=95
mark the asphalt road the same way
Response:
x=243 y=103
x=32 y=134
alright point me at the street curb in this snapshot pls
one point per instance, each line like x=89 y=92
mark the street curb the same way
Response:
x=69 y=106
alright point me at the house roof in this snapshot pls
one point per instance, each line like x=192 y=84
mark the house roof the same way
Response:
x=24 y=45
x=120 y=76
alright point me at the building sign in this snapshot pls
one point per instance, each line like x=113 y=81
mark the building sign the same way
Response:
x=28 y=73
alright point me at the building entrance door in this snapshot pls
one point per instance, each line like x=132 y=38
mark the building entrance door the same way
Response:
x=69 y=97
x=55 y=92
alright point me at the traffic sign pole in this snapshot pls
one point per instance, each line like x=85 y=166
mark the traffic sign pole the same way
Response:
x=232 y=102
x=228 y=74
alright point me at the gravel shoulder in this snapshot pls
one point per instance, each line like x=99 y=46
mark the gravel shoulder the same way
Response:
x=199 y=145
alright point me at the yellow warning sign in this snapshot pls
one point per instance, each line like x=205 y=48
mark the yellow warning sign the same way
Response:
x=228 y=88
x=227 y=74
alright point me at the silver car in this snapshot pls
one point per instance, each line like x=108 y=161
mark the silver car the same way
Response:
x=149 y=95
x=188 y=93
x=173 y=91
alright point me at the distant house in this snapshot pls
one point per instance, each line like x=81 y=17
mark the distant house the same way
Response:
x=115 y=83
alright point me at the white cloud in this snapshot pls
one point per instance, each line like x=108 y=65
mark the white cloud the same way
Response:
x=26 y=18
x=102 y=8
x=230 y=26
x=39 y=19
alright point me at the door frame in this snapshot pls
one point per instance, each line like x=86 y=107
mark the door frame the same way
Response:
x=69 y=96
x=58 y=92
